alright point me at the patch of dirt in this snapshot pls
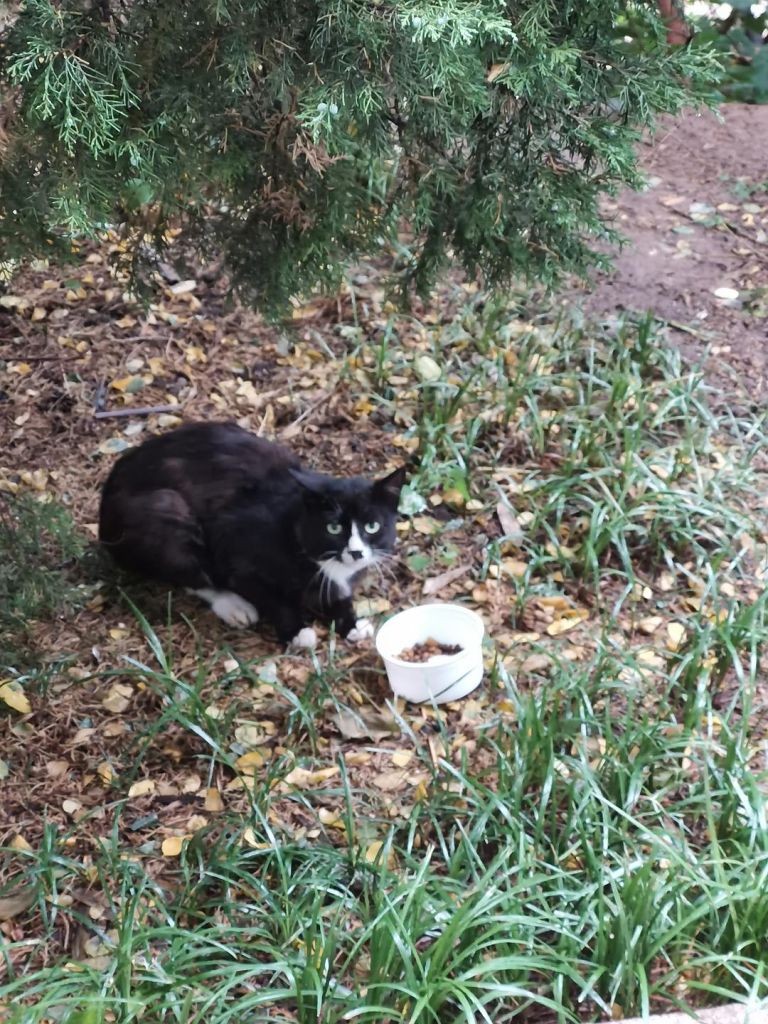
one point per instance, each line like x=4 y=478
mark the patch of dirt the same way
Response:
x=702 y=225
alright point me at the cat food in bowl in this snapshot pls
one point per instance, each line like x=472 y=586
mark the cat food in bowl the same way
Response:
x=429 y=650
x=433 y=652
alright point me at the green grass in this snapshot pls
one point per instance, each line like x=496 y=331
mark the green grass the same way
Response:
x=612 y=852
x=39 y=545
x=600 y=849
x=607 y=446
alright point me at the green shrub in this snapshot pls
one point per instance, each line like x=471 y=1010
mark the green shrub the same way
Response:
x=293 y=135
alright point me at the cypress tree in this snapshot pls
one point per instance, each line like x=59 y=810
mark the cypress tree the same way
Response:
x=290 y=135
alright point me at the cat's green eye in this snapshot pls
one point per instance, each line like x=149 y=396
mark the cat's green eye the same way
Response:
x=334 y=529
x=372 y=527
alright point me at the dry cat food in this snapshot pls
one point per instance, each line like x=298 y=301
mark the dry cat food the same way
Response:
x=429 y=648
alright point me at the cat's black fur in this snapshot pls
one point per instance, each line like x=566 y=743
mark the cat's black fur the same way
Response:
x=216 y=509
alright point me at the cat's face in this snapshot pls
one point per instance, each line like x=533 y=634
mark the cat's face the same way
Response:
x=348 y=525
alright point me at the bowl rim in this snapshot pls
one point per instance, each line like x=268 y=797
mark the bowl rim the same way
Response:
x=450 y=658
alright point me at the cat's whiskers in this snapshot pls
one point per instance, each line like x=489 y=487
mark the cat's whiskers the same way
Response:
x=327 y=588
x=381 y=564
x=385 y=558
x=325 y=583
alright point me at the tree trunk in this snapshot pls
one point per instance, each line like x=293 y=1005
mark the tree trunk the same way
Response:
x=679 y=32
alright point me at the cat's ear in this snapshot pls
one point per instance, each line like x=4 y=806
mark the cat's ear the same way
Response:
x=387 y=490
x=313 y=485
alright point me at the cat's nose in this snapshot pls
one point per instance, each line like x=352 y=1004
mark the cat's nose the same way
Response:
x=356 y=554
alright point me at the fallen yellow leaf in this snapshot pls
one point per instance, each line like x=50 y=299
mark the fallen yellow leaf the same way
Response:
x=172 y=846
x=118 y=699
x=650 y=658
x=676 y=635
x=142 y=788
x=12 y=694
x=303 y=779
x=331 y=818
x=649 y=624
x=129 y=385
x=566 y=622
x=400 y=758
x=213 y=801
x=514 y=566
x=420 y=792
x=190 y=783
x=556 y=601
x=250 y=762
x=453 y=496
x=666 y=581
x=357 y=757
x=373 y=853
x=194 y=355
x=37 y=478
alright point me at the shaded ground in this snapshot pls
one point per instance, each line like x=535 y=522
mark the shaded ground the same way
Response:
x=701 y=226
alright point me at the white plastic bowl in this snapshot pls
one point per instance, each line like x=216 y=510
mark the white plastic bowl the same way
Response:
x=443 y=678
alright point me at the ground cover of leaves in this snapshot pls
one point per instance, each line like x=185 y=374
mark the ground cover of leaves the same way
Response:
x=573 y=484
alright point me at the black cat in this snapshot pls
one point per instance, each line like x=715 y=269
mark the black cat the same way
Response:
x=235 y=519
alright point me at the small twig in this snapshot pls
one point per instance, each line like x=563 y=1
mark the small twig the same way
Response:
x=729 y=226
x=292 y=429
x=145 y=410
x=741 y=233
x=687 y=329
x=50 y=358
x=131 y=338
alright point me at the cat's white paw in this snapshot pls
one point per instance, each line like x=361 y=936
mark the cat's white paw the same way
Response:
x=363 y=630
x=305 y=638
x=233 y=609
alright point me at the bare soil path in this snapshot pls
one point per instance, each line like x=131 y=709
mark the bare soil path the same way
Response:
x=700 y=227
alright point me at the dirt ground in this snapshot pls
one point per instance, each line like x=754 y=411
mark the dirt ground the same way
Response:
x=78 y=352
x=701 y=226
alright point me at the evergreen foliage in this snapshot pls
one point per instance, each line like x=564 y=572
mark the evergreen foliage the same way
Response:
x=293 y=133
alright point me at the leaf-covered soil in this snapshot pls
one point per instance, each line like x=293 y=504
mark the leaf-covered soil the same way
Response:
x=344 y=382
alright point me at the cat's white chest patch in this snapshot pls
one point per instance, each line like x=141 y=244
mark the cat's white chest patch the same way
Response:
x=340 y=574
